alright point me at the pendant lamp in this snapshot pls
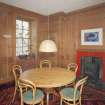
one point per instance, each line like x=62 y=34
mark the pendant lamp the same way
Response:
x=48 y=45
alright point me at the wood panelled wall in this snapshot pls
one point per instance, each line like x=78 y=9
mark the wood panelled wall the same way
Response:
x=8 y=15
x=65 y=31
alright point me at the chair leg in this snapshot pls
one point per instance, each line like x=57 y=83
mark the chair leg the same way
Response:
x=42 y=102
x=47 y=98
x=61 y=101
x=80 y=101
x=14 y=94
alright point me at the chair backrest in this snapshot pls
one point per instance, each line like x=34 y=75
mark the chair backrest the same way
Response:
x=17 y=70
x=45 y=64
x=72 y=67
x=79 y=86
x=29 y=86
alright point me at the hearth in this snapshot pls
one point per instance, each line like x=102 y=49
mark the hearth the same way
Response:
x=92 y=64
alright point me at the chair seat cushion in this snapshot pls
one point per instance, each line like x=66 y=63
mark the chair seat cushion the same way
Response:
x=27 y=96
x=68 y=94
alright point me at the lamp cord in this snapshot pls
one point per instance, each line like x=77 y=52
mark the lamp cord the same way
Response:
x=48 y=19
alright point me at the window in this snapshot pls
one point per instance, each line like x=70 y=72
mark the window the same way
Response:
x=23 y=37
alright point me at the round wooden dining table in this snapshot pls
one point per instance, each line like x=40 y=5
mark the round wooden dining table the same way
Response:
x=49 y=78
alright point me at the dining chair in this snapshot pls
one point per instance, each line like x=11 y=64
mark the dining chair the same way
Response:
x=49 y=91
x=45 y=64
x=17 y=70
x=72 y=96
x=32 y=95
x=72 y=67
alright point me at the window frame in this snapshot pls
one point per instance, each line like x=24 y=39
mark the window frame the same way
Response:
x=29 y=39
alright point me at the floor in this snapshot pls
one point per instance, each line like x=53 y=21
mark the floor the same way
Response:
x=91 y=96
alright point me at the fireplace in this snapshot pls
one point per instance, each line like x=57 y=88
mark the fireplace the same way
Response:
x=93 y=65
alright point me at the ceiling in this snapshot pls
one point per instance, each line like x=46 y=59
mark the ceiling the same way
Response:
x=46 y=7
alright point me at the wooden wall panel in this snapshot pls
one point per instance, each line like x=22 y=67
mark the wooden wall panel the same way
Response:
x=5 y=43
x=8 y=58
x=65 y=29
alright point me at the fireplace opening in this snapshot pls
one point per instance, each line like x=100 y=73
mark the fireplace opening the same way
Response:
x=92 y=67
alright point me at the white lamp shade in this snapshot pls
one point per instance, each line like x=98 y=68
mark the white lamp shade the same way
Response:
x=47 y=46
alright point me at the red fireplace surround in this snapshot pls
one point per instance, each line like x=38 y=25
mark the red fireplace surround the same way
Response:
x=101 y=55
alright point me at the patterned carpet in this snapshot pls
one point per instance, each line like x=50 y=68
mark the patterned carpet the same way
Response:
x=90 y=96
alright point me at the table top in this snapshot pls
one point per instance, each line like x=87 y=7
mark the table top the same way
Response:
x=48 y=78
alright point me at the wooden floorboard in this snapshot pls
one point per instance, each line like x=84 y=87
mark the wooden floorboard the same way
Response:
x=91 y=96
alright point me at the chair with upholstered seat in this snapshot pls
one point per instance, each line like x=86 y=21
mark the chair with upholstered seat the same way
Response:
x=72 y=67
x=17 y=70
x=32 y=95
x=72 y=96
x=45 y=64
